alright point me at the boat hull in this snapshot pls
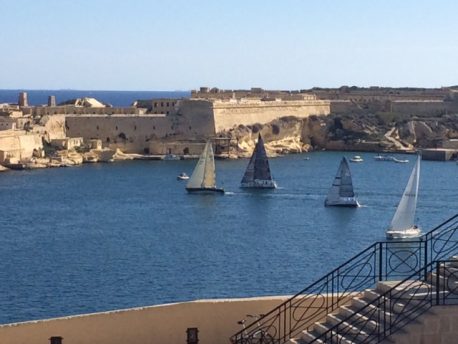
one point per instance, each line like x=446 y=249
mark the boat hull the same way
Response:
x=413 y=232
x=205 y=191
x=259 y=184
x=343 y=202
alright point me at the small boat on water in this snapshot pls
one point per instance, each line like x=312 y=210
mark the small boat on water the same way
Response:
x=203 y=178
x=171 y=157
x=182 y=176
x=257 y=174
x=381 y=157
x=403 y=223
x=400 y=161
x=341 y=193
x=356 y=158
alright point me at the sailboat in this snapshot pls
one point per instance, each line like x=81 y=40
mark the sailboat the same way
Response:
x=257 y=174
x=341 y=193
x=203 y=178
x=402 y=225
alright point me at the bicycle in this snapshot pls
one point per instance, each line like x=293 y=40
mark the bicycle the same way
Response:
x=260 y=336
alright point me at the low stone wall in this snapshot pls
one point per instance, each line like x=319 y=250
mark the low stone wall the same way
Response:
x=216 y=321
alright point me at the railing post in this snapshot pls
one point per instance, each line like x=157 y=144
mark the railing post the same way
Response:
x=426 y=259
x=380 y=260
x=437 y=283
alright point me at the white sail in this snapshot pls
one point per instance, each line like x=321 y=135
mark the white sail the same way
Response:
x=404 y=218
x=209 y=180
x=198 y=174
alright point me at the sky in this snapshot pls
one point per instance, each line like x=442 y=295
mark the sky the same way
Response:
x=182 y=45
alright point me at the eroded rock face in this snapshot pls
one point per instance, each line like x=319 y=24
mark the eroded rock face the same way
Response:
x=342 y=132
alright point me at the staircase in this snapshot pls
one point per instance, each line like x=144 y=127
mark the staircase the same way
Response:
x=376 y=313
x=369 y=297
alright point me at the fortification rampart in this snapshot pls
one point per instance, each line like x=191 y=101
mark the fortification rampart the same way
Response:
x=80 y=110
x=142 y=133
x=228 y=114
x=18 y=144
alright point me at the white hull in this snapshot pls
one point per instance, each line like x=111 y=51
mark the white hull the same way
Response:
x=260 y=184
x=342 y=202
x=413 y=232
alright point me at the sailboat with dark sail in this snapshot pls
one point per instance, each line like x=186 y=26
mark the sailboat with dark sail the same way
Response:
x=203 y=178
x=341 y=193
x=403 y=223
x=257 y=174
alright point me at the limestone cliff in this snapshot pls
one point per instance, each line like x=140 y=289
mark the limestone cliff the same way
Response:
x=365 y=132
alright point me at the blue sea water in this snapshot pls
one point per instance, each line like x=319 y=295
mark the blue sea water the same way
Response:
x=115 y=98
x=108 y=236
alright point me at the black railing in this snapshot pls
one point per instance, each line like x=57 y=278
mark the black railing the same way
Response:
x=382 y=261
x=398 y=306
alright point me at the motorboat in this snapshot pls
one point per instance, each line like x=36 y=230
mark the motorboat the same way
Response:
x=182 y=176
x=380 y=157
x=356 y=158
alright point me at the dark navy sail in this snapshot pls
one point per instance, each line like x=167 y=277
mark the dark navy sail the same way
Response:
x=257 y=174
x=341 y=192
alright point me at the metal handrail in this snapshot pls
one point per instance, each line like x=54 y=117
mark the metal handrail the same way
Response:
x=384 y=260
x=386 y=304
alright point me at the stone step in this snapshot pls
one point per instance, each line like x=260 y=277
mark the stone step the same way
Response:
x=321 y=328
x=352 y=329
x=308 y=337
x=369 y=324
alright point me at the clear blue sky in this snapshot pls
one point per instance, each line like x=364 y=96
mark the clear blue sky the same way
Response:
x=180 y=45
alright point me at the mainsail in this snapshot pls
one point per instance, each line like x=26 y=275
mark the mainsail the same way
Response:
x=258 y=167
x=404 y=218
x=342 y=185
x=203 y=175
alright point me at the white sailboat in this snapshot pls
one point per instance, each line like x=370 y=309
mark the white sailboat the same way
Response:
x=403 y=222
x=341 y=193
x=203 y=178
x=257 y=174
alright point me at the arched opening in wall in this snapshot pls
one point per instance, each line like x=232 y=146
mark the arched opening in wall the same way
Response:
x=116 y=127
x=146 y=150
x=122 y=136
x=186 y=151
x=97 y=127
x=169 y=150
x=275 y=129
x=108 y=139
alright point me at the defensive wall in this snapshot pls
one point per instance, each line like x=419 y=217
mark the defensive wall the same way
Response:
x=18 y=144
x=196 y=120
x=145 y=133
x=228 y=114
x=79 y=110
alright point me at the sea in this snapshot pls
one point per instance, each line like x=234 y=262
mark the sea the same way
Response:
x=100 y=237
